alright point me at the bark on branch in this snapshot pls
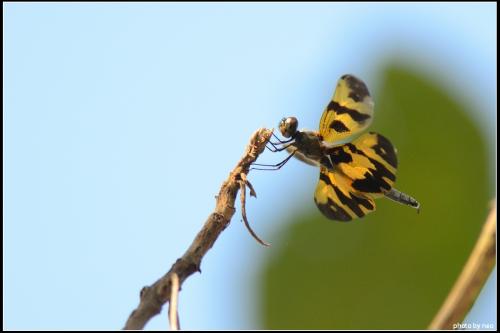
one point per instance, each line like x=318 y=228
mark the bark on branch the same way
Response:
x=153 y=297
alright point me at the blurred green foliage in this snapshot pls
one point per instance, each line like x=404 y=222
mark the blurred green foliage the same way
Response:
x=393 y=268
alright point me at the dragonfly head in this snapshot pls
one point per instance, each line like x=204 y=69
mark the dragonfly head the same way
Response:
x=288 y=126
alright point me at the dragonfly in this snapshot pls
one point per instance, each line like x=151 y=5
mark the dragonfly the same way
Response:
x=352 y=172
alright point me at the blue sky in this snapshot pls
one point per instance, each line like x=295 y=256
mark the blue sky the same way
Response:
x=121 y=121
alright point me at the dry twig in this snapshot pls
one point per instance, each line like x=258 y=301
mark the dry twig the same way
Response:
x=173 y=313
x=474 y=274
x=243 y=183
x=153 y=297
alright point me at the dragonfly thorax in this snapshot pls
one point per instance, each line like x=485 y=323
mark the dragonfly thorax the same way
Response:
x=309 y=144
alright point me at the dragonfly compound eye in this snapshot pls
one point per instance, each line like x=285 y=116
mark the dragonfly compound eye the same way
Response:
x=288 y=126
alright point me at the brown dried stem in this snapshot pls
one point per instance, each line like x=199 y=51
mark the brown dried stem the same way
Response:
x=173 y=314
x=243 y=184
x=472 y=278
x=153 y=297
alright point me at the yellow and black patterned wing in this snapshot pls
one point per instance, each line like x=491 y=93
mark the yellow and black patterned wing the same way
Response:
x=335 y=199
x=350 y=110
x=362 y=170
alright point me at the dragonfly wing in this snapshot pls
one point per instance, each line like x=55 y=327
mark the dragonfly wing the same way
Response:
x=349 y=112
x=336 y=200
x=362 y=171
